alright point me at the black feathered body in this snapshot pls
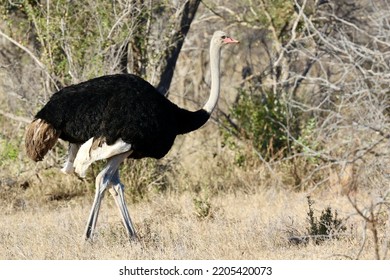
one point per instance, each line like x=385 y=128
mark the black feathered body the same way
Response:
x=120 y=106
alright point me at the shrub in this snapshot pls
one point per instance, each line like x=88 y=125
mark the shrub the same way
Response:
x=261 y=120
x=327 y=226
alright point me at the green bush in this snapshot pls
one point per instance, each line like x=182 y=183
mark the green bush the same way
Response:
x=327 y=226
x=259 y=119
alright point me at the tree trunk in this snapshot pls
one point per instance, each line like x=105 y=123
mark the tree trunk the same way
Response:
x=175 y=44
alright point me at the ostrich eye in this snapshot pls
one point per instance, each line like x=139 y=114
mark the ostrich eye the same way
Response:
x=223 y=37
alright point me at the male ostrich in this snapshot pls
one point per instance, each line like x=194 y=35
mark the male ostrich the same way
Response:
x=116 y=117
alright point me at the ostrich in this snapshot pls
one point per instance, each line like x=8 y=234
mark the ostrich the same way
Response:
x=116 y=117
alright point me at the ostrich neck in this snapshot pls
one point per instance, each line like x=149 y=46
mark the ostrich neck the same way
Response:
x=190 y=121
x=215 y=54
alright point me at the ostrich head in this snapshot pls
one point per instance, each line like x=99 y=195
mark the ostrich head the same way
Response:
x=221 y=38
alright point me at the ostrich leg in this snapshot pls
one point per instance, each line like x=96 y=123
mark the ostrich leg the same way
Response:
x=103 y=181
x=68 y=166
x=117 y=191
x=101 y=187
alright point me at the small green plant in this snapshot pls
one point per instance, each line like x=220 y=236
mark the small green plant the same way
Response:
x=8 y=151
x=327 y=226
x=306 y=142
x=202 y=208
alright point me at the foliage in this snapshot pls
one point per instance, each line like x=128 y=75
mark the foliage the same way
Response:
x=306 y=140
x=262 y=118
x=307 y=145
x=144 y=177
x=73 y=38
x=328 y=226
x=8 y=151
x=74 y=41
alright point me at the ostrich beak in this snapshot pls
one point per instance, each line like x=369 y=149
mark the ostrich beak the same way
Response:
x=229 y=40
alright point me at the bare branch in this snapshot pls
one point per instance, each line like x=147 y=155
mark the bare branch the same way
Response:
x=15 y=118
x=27 y=51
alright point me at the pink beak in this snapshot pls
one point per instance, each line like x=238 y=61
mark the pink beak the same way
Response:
x=229 y=40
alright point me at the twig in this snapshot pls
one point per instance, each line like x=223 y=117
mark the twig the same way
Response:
x=27 y=51
x=15 y=118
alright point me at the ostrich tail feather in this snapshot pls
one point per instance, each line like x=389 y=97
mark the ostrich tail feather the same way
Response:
x=40 y=138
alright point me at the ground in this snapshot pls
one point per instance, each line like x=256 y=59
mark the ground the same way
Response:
x=240 y=226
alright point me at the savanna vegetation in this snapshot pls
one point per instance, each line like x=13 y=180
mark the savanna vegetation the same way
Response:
x=294 y=164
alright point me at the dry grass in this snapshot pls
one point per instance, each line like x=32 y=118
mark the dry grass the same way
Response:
x=239 y=226
x=203 y=208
